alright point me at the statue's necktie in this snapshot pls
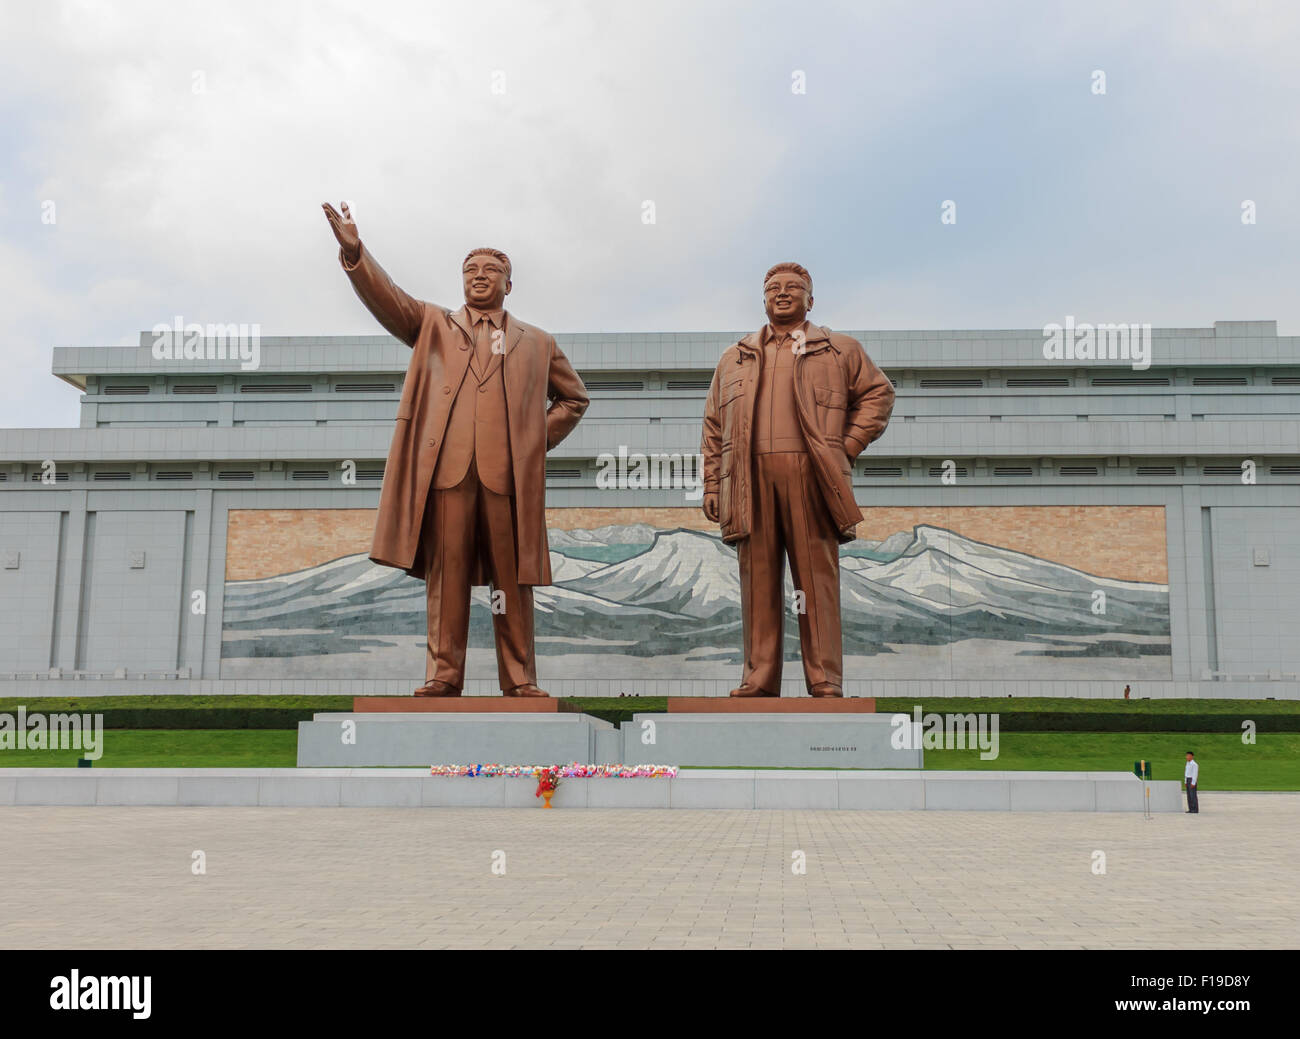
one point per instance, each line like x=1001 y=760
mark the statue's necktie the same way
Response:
x=483 y=344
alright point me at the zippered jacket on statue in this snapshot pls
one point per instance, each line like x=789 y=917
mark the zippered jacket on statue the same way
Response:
x=790 y=407
x=842 y=404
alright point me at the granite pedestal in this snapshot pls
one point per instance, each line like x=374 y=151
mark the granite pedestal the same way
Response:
x=805 y=733
x=352 y=740
x=455 y=704
x=514 y=737
x=762 y=740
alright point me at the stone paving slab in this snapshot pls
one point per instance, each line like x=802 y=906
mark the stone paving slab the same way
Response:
x=121 y=877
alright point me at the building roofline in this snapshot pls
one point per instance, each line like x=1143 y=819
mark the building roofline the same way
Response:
x=1226 y=344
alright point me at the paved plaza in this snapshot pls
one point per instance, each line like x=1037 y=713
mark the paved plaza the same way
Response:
x=363 y=878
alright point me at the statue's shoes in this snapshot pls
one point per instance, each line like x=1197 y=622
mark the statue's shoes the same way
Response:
x=525 y=690
x=745 y=689
x=435 y=688
x=825 y=689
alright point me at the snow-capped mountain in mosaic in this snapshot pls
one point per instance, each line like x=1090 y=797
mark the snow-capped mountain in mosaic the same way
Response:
x=680 y=595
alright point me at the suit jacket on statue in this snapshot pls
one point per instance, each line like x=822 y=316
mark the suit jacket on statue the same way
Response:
x=533 y=370
x=843 y=400
x=478 y=429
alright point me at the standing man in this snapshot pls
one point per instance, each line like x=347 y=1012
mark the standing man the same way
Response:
x=791 y=406
x=464 y=493
x=1190 y=776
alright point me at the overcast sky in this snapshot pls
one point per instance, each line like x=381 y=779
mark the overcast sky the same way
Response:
x=186 y=148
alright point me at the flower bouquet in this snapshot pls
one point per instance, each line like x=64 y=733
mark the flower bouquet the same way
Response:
x=548 y=779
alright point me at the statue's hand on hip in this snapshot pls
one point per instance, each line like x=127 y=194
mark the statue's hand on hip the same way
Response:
x=345 y=230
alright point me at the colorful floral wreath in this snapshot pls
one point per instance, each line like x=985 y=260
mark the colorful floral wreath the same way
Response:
x=571 y=771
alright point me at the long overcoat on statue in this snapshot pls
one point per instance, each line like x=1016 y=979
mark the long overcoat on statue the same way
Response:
x=545 y=398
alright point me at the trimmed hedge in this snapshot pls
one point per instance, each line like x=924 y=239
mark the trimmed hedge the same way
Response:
x=1036 y=721
x=621 y=709
x=1060 y=721
x=1142 y=707
x=195 y=717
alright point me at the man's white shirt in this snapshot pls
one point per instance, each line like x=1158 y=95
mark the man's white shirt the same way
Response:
x=1191 y=772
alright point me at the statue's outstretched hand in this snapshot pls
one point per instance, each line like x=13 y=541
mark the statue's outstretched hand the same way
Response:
x=345 y=230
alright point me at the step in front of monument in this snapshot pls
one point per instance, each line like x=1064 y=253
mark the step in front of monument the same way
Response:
x=692 y=788
x=455 y=704
x=771 y=705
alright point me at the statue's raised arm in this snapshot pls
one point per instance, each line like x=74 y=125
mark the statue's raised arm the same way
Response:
x=396 y=310
x=463 y=500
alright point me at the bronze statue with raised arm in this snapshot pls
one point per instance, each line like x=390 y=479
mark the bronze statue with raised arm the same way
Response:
x=464 y=493
x=791 y=406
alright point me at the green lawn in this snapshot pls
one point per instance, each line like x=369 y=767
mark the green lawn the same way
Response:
x=1273 y=763
x=144 y=700
x=1089 y=705
x=1226 y=763
x=174 y=748
x=884 y=704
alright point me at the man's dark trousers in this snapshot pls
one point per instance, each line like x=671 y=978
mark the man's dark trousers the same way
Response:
x=1192 y=806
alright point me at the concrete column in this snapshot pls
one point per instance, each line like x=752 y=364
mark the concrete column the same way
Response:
x=71 y=574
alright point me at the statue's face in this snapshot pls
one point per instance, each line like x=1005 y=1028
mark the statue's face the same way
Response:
x=486 y=282
x=786 y=298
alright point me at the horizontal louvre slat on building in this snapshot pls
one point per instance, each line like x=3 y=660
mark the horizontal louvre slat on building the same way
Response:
x=275 y=387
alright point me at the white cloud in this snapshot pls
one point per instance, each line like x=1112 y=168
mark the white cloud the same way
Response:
x=207 y=204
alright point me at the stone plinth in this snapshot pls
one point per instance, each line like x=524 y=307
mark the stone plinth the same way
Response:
x=771 y=705
x=766 y=740
x=455 y=705
x=357 y=740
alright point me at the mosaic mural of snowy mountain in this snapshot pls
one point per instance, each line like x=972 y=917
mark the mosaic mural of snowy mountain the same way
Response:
x=636 y=600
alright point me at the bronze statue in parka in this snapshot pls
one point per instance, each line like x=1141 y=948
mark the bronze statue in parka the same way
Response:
x=789 y=409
